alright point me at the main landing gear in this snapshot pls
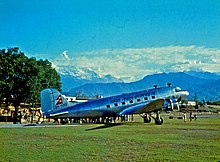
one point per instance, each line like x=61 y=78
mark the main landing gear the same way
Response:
x=146 y=118
x=158 y=120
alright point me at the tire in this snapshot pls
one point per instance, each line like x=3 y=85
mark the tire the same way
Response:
x=159 y=121
x=147 y=120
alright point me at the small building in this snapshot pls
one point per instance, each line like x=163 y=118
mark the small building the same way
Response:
x=191 y=103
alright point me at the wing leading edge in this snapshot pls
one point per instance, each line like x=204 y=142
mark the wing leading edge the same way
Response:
x=144 y=108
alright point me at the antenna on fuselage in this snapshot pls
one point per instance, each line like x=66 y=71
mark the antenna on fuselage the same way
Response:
x=169 y=84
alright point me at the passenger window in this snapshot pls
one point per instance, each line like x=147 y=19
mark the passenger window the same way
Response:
x=108 y=106
x=131 y=101
x=116 y=104
x=145 y=98
x=123 y=103
x=138 y=100
x=153 y=97
x=177 y=89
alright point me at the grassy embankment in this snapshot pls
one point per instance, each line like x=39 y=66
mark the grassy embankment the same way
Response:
x=173 y=141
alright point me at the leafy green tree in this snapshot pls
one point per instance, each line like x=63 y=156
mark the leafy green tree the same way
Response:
x=22 y=78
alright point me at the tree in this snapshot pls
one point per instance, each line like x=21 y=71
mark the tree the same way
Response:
x=22 y=78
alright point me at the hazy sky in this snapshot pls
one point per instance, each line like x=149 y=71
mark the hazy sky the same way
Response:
x=47 y=28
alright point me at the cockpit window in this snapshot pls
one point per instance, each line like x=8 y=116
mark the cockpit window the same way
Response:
x=177 y=89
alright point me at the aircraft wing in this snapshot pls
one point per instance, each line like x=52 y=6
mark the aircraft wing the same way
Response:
x=144 y=108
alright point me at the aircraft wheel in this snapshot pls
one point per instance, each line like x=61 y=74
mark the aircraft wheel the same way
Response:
x=159 y=121
x=147 y=120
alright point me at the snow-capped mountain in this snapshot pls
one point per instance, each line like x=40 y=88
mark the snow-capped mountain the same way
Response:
x=79 y=73
x=74 y=77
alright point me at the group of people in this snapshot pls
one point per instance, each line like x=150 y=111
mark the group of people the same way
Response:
x=23 y=115
x=31 y=115
x=115 y=119
x=191 y=116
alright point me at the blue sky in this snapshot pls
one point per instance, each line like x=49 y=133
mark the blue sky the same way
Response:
x=46 y=28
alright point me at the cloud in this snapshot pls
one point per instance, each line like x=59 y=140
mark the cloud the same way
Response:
x=66 y=55
x=134 y=63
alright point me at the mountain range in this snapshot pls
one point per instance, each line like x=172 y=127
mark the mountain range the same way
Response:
x=76 y=77
x=203 y=85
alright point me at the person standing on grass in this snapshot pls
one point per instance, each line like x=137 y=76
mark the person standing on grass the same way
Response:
x=190 y=115
x=26 y=117
x=195 y=116
x=184 y=117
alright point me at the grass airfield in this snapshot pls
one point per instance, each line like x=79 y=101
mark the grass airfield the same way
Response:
x=132 y=141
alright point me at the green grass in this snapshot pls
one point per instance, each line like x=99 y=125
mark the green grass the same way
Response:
x=173 y=141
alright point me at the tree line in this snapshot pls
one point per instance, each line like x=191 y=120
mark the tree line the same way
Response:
x=22 y=78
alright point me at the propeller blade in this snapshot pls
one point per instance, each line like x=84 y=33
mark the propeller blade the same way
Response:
x=179 y=99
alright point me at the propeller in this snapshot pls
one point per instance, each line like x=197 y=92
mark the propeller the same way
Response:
x=179 y=99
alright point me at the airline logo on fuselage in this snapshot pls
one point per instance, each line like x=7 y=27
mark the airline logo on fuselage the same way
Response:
x=59 y=100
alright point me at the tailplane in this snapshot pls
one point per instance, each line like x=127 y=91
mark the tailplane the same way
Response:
x=52 y=100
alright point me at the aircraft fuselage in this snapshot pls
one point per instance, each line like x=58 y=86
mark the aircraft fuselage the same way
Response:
x=115 y=105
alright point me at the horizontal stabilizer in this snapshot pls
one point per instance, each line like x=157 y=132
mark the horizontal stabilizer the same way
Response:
x=60 y=113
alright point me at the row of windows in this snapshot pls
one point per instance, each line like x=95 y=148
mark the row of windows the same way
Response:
x=131 y=101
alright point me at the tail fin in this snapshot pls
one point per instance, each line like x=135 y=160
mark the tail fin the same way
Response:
x=51 y=100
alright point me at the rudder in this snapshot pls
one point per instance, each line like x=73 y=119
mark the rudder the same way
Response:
x=51 y=100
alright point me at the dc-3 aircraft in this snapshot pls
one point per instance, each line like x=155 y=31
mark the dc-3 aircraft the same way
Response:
x=147 y=103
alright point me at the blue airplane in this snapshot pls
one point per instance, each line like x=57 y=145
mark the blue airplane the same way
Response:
x=146 y=102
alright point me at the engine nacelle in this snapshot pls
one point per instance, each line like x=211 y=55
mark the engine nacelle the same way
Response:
x=170 y=105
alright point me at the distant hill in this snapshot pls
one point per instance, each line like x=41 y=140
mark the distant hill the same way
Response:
x=204 y=84
x=204 y=75
x=209 y=91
